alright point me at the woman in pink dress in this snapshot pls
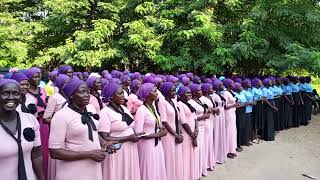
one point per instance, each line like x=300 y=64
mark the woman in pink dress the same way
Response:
x=74 y=138
x=202 y=117
x=116 y=124
x=133 y=102
x=169 y=115
x=55 y=103
x=34 y=75
x=230 y=114
x=219 y=126
x=58 y=100
x=190 y=131
x=147 y=120
x=208 y=102
x=27 y=103
x=95 y=85
x=20 y=152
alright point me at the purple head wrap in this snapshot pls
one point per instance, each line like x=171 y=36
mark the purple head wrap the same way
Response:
x=109 y=90
x=196 y=79
x=166 y=88
x=134 y=83
x=107 y=76
x=72 y=86
x=227 y=82
x=104 y=82
x=238 y=80
x=7 y=81
x=144 y=91
x=19 y=77
x=185 y=80
x=157 y=80
x=194 y=87
x=105 y=72
x=181 y=76
x=116 y=80
x=182 y=90
x=207 y=80
x=237 y=86
x=255 y=82
x=124 y=78
x=61 y=78
x=63 y=69
x=85 y=74
x=148 y=79
x=126 y=72
x=91 y=80
x=266 y=81
x=217 y=85
x=116 y=74
x=53 y=74
x=30 y=72
x=246 y=82
x=205 y=87
x=189 y=74
x=170 y=78
x=136 y=75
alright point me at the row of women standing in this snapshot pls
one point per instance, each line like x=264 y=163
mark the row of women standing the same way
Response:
x=131 y=127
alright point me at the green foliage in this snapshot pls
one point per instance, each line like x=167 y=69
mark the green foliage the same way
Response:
x=203 y=36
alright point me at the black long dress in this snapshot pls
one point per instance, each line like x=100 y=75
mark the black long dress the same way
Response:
x=296 y=110
x=282 y=114
x=240 y=122
x=268 y=133
x=258 y=116
x=287 y=112
x=303 y=109
x=309 y=106
x=276 y=115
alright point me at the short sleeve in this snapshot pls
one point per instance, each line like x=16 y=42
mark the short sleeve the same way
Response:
x=163 y=110
x=36 y=128
x=182 y=114
x=139 y=119
x=52 y=103
x=58 y=130
x=104 y=122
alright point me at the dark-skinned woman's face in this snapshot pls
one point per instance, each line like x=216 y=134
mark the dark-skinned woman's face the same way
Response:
x=172 y=93
x=153 y=95
x=69 y=73
x=97 y=84
x=231 y=86
x=82 y=96
x=249 y=85
x=260 y=84
x=137 y=86
x=24 y=85
x=198 y=93
x=118 y=97
x=127 y=82
x=10 y=95
x=35 y=80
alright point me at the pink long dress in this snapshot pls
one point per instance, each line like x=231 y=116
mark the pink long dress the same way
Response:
x=55 y=103
x=124 y=164
x=219 y=127
x=9 y=149
x=209 y=134
x=231 y=127
x=68 y=132
x=151 y=156
x=44 y=130
x=201 y=139
x=172 y=151
x=188 y=151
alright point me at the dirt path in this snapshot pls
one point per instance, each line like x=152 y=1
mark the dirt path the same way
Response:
x=295 y=151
